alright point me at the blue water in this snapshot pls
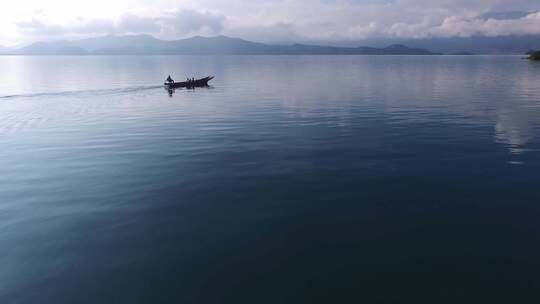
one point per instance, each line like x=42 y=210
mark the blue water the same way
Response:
x=302 y=179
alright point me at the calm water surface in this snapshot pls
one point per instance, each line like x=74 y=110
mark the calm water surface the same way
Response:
x=301 y=179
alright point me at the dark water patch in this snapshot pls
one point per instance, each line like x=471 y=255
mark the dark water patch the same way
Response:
x=300 y=179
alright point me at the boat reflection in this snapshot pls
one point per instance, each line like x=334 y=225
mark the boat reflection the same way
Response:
x=172 y=91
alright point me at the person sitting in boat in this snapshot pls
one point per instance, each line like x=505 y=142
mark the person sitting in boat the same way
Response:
x=169 y=79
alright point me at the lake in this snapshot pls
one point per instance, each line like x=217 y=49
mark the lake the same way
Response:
x=292 y=179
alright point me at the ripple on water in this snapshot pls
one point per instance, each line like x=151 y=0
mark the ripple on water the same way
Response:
x=288 y=164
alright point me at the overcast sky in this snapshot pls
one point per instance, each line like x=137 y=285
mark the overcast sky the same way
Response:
x=266 y=20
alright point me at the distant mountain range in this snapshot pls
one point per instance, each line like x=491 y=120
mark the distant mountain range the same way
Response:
x=220 y=45
x=476 y=45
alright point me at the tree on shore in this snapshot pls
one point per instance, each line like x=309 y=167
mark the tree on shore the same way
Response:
x=534 y=55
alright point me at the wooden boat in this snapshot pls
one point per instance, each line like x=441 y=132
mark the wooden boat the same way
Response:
x=203 y=82
x=534 y=56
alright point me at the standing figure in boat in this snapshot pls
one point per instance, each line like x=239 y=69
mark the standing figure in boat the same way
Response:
x=169 y=79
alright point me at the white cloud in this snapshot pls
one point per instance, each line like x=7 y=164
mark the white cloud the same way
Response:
x=186 y=22
x=458 y=26
x=171 y=24
x=265 y=20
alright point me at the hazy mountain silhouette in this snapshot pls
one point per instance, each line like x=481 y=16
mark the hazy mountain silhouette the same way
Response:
x=475 y=45
x=42 y=48
x=220 y=45
x=480 y=45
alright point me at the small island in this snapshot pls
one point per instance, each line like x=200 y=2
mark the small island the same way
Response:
x=534 y=55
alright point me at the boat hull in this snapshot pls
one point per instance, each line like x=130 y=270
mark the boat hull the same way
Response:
x=203 y=82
